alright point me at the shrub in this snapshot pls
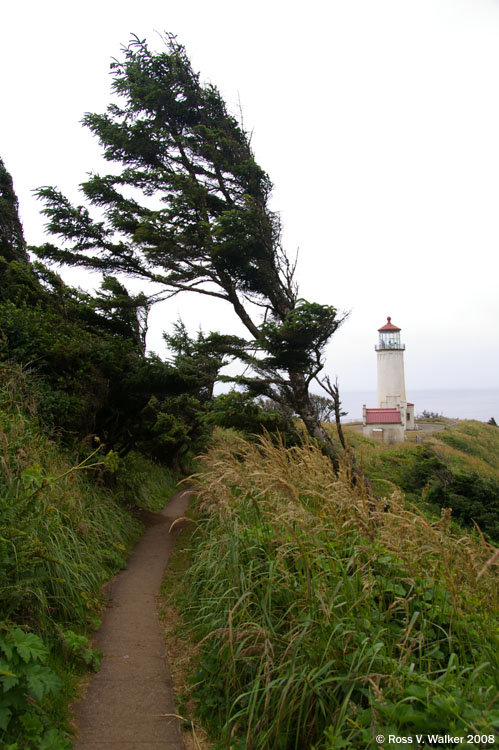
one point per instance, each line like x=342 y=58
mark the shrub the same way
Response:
x=474 y=500
x=238 y=411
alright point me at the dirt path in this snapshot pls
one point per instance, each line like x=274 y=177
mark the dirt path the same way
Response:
x=127 y=699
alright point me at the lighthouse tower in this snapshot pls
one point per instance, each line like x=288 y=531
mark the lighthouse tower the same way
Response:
x=391 y=379
x=393 y=415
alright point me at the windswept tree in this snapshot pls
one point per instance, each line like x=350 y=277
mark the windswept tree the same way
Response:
x=188 y=208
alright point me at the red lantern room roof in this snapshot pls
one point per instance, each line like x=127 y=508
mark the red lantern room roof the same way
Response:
x=389 y=326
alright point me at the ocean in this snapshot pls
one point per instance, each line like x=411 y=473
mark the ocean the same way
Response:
x=455 y=404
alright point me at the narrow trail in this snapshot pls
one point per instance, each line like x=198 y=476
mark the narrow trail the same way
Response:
x=127 y=699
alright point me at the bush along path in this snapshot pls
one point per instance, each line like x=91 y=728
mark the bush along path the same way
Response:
x=129 y=702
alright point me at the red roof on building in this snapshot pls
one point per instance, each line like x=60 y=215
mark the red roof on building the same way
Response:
x=389 y=326
x=382 y=416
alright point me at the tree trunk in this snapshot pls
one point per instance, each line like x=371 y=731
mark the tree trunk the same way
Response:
x=304 y=407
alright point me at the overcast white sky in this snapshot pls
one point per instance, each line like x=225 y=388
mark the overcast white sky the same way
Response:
x=377 y=121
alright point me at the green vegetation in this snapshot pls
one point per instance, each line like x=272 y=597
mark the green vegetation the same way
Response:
x=26 y=682
x=89 y=370
x=65 y=528
x=75 y=386
x=474 y=439
x=478 y=447
x=90 y=425
x=12 y=245
x=238 y=411
x=457 y=468
x=324 y=617
x=323 y=613
x=61 y=535
x=208 y=229
x=63 y=532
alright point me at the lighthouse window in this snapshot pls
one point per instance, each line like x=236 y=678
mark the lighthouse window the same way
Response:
x=389 y=340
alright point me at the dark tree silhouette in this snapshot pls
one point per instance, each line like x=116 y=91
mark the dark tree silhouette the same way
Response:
x=12 y=245
x=189 y=208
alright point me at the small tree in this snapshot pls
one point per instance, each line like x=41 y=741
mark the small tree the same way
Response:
x=204 y=225
x=324 y=407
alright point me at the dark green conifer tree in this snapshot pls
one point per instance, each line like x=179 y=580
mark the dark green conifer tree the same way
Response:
x=12 y=244
x=203 y=223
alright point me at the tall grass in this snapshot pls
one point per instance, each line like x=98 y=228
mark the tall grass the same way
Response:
x=326 y=617
x=143 y=483
x=62 y=534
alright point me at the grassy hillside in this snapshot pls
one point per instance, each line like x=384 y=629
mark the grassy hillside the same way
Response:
x=469 y=445
x=456 y=468
x=62 y=533
x=325 y=617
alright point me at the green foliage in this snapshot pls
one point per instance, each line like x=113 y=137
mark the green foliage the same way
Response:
x=124 y=314
x=211 y=230
x=93 y=378
x=419 y=468
x=61 y=535
x=27 y=682
x=78 y=646
x=474 y=499
x=12 y=245
x=173 y=428
x=421 y=472
x=461 y=444
x=324 y=620
x=70 y=384
x=324 y=407
x=197 y=362
x=19 y=283
x=239 y=411
x=292 y=343
x=148 y=484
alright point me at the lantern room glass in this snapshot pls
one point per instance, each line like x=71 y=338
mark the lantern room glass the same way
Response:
x=389 y=340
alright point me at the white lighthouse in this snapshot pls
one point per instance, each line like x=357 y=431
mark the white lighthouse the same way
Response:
x=391 y=379
x=394 y=414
